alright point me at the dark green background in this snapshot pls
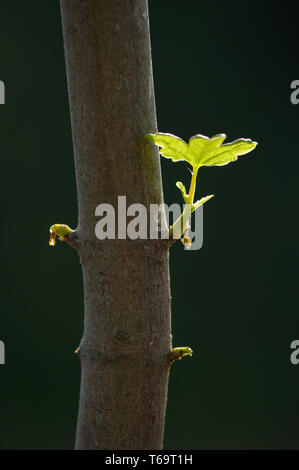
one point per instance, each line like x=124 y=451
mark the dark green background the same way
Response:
x=218 y=67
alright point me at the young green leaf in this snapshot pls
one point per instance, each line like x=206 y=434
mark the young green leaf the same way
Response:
x=171 y=146
x=201 y=201
x=179 y=353
x=201 y=150
x=60 y=230
x=219 y=155
x=182 y=188
x=201 y=147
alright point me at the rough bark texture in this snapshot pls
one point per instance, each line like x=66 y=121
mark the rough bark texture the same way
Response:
x=126 y=343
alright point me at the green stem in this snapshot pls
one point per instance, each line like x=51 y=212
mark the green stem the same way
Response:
x=190 y=200
x=192 y=186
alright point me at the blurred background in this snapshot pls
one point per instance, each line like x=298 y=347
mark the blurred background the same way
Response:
x=218 y=67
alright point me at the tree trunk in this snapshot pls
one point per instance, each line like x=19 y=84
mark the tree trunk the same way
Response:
x=126 y=343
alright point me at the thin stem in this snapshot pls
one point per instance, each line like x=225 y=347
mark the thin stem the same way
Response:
x=192 y=185
x=188 y=207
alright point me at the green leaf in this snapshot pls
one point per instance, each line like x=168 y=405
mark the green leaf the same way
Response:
x=229 y=152
x=200 y=146
x=182 y=188
x=201 y=201
x=201 y=150
x=171 y=146
x=58 y=229
x=179 y=353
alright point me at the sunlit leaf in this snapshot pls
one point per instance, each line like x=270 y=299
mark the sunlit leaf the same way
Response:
x=180 y=352
x=201 y=201
x=201 y=150
x=171 y=146
x=182 y=188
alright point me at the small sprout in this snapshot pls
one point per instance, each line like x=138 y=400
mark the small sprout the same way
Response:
x=200 y=151
x=60 y=230
x=179 y=353
x=187 y=241
x=182 y=188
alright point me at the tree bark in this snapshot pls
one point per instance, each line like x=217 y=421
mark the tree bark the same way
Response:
x=124 y=351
